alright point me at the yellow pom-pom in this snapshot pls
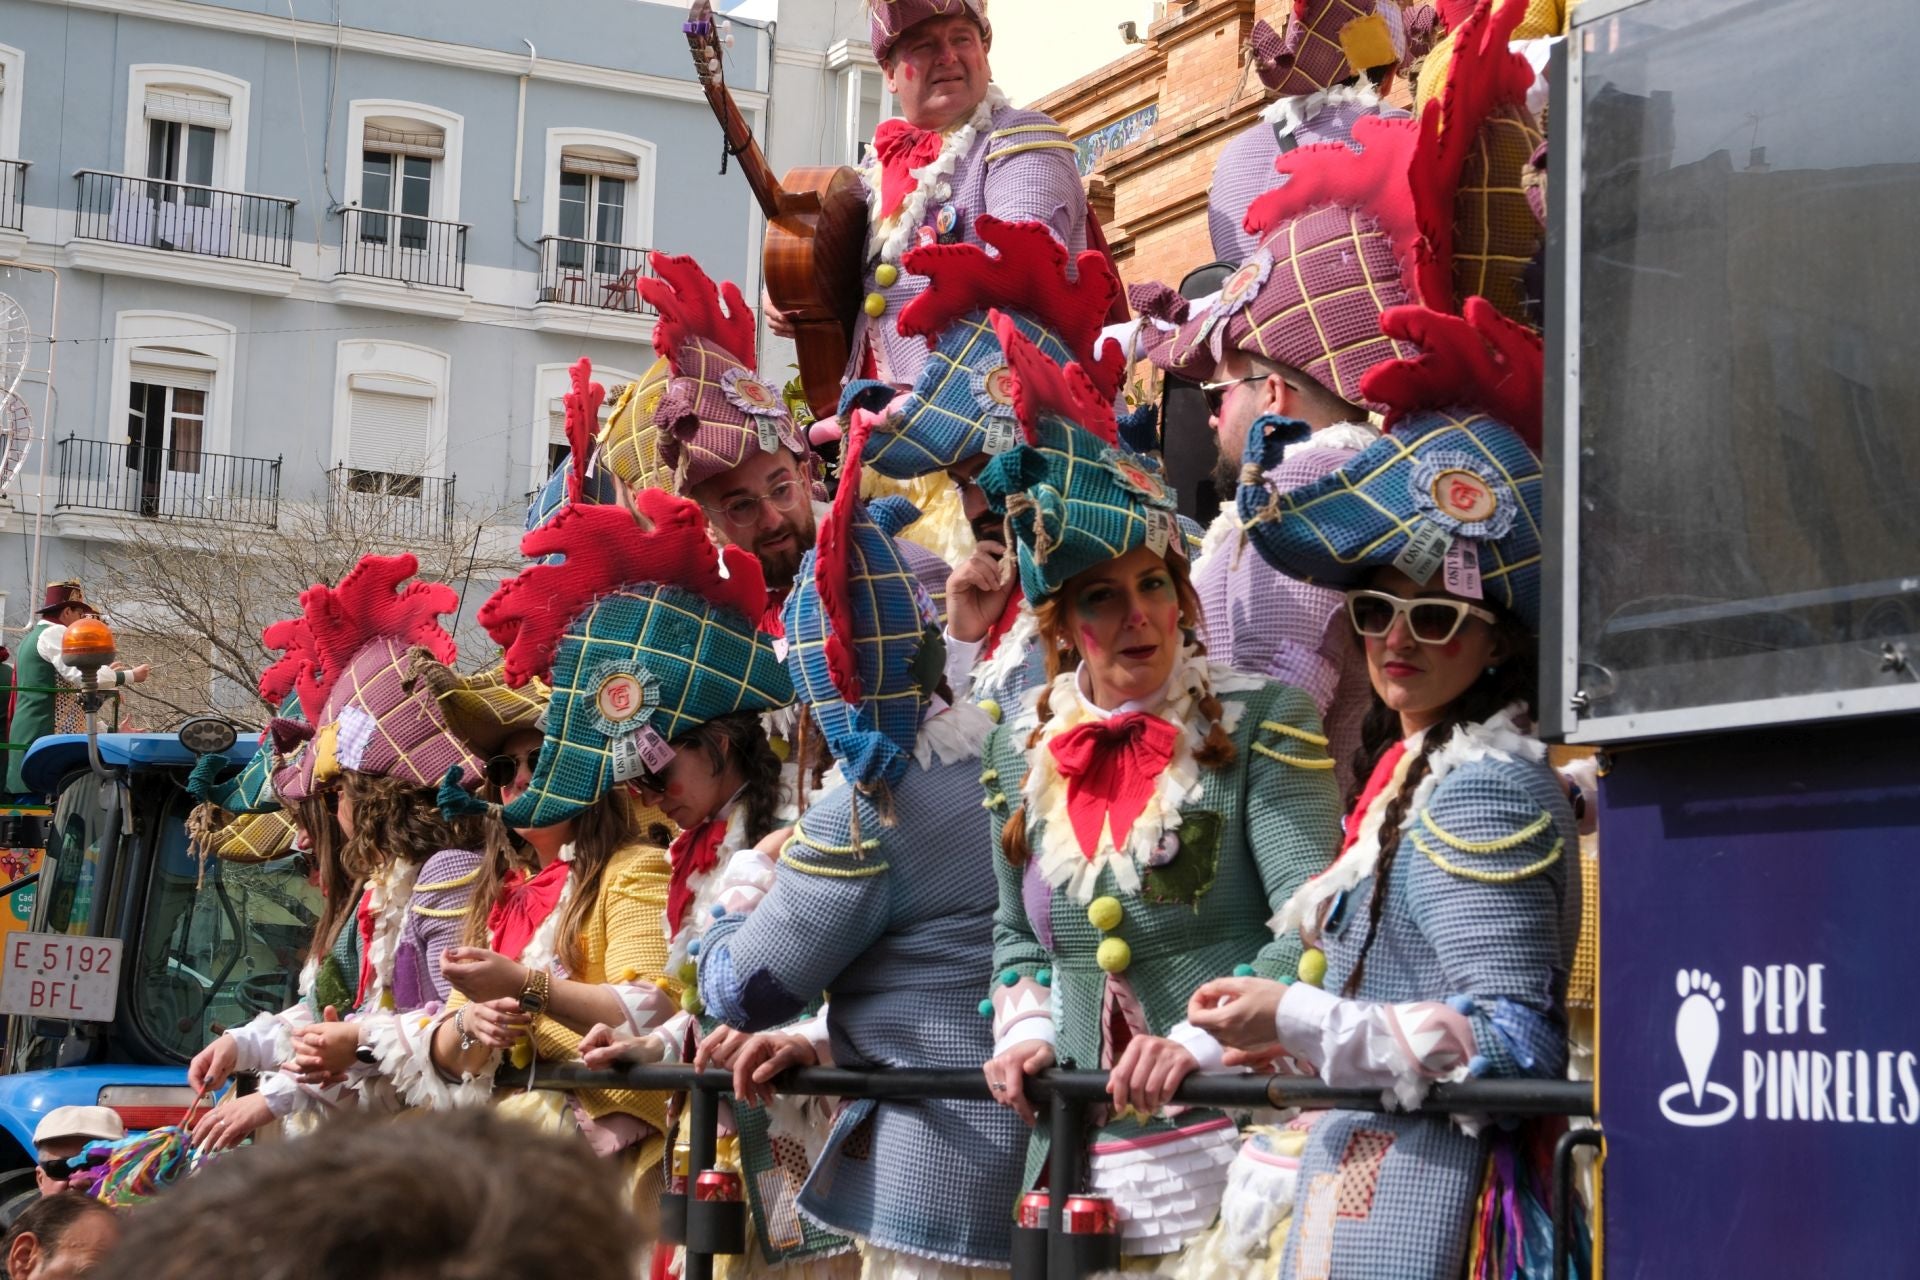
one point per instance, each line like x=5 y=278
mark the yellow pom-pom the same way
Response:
x=690 y=1001
x=1313 y=966
x=689 y=974
x=780 y=748
x=885 y=274
x=876 y=305
x=992 y=709
x=1114 y=955
x=521 y=1054
x=1105 y=914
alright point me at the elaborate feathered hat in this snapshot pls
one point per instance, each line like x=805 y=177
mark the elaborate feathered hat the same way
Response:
x=644 y=627
x=715 y=412
x=348 y=661
x=892 y=18
x=863 y=637
x=1074 y=496
x=1454 y=483
x=960 y=405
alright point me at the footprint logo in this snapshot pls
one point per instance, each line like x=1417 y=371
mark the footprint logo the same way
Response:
x=1696 y=1032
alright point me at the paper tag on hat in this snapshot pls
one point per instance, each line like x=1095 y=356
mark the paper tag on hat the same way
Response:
x=1002 y=434
x=1425 y=551
x=642 y=751
x=769 y=433
x=1159 y=530
x=1463 y=569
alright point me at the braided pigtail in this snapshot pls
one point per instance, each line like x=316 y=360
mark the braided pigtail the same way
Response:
x=1390 y=823
x=1218 y=751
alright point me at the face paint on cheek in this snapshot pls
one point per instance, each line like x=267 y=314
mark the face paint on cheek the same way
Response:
x=907 y=71
x=675 y=790
x=1451 y=649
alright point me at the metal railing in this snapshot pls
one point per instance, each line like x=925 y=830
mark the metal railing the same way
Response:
x=162 y=483
x=13 y=194
x=184 y=217
x=385 y=504
x=1067 y=1097
x=592 y=273
x=393 y=246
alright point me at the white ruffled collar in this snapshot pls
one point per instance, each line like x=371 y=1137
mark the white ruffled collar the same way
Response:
x=890 y=238
x=1292 y=112
x=1060 y=860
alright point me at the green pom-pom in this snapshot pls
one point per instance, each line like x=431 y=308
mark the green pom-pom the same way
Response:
x=1243 y=971
x=1044 y=977
x=986 y=1008
x=1009 y=976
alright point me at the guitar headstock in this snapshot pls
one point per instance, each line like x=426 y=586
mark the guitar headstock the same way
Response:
x=703 y=37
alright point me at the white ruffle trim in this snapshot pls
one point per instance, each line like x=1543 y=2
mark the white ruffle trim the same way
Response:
x=953 y=735
x=1061 y=861
x=1259 y=1195
x=1166 y=1194
x=890 y=238
x=1500 y=738
x=1011 y=653
x=1291 y=113
x=879 y=1262
x=389 y=891
x=707 y=890
x=402 y=1046
x=1338 y=435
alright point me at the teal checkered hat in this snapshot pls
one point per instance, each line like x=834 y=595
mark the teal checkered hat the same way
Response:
x=1454 y=484
x=1075 y=497
x=644 y=625
x=962 y=404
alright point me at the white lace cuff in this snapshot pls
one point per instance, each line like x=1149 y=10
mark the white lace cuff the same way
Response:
x=1207 y=1051
x=267 y=1041
x=402 y=1046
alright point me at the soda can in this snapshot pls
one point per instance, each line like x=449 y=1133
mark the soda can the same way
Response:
x=719 y=1184
x=1089 y=1215
x=1032 y=1210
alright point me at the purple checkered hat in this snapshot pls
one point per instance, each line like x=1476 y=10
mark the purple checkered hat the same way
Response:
x=1326 y=42
x=1338 y=242
x=716 y=412
x=892 y=18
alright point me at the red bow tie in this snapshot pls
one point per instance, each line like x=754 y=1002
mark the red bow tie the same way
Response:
x=524 y=906
x=1110 y=766
x=692 y=853
x=902 y=149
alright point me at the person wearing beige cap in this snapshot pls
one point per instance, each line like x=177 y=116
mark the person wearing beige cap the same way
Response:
x=38 y=669
x=63 y=1133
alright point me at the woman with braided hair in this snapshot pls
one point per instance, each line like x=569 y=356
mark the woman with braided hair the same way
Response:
x=1448 y=922
x=1152 y=810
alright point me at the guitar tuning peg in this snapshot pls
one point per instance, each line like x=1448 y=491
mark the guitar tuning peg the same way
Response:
x=713 y=65
x=726 y=33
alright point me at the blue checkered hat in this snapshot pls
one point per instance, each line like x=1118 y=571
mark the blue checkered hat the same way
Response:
x=1075 y=497
x=863 y=637
x=1445 y=475
x=962 y=403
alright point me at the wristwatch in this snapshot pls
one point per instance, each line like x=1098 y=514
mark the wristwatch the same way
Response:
x=539 y=989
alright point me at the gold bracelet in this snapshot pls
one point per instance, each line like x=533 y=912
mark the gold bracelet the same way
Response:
x=539 y=989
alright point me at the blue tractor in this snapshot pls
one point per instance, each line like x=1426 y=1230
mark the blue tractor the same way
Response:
x=205 y=946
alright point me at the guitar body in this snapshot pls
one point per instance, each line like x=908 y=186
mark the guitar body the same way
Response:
x=813 y=260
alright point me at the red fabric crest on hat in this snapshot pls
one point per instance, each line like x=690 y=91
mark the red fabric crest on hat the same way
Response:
x=1483 y=360
x=337 y=622
x=583 y=423
x=690 y=305
x=1027 y=273
x=832 y=574
x=1040 y=387
x=1331 y=173
x=665 y=540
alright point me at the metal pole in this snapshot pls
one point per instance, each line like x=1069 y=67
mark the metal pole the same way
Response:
x=1064 y=1118
x=703 y=1129
x=1563 y=1194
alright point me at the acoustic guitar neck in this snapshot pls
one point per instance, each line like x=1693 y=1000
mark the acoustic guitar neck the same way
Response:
x=703 y=39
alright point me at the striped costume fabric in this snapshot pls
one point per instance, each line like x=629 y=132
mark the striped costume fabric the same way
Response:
x=895 y=923
x=436 y=918
x=1021 y=167
x=681 y=659
x=1483 y=909
x=1439 y=474
x=896 y=647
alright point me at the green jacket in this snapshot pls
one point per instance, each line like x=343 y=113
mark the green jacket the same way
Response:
x=34 y=710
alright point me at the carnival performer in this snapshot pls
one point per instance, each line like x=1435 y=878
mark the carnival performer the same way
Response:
x=1151 y=810
x=382 y=746
x=958 y=415
x=1449 y=920
x=708 y=427
x=1325 y=70
x=882 y=900
x=39 y=671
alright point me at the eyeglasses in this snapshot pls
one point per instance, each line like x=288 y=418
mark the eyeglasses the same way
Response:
x=1216 y=392
x=62 y=1168
x=744 y=512
x=503 y=769
x=1430 y=619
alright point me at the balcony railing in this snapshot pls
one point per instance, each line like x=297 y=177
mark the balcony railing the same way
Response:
x=163 y=483
x=184 y=217
x=13 y=194
x=591 y=273
x=392 y=246
x=386 y=504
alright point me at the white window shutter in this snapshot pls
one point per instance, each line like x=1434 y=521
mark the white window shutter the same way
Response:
x=407 y=139
x=170 y=375
x=388 y=432
x=604 y=166
x=189 y=108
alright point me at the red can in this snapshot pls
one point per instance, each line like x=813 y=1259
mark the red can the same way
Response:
x=1032 y=1210
x=1090 y=1216
x=719 y=1184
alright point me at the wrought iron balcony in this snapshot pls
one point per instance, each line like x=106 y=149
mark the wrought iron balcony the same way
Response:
x=167 y=483
x=592 y=273
x=385 y=504
x=413 y=250
x=184 y=217
x=13 y=194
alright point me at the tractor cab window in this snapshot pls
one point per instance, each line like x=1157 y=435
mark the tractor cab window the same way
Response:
x=72 y=874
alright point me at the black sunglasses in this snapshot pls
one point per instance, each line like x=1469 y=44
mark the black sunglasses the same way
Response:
x=501 y=770
x=62 y=1167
